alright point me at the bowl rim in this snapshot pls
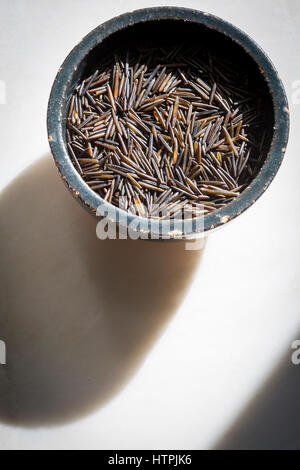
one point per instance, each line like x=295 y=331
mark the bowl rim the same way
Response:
x=93 y=201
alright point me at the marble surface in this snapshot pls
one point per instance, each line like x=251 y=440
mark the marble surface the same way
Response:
x=132 y=345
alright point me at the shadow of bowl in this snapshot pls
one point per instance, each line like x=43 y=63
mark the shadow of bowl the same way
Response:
x=77 y=314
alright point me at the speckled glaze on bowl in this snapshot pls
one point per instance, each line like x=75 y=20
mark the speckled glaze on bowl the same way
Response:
x=81 y=57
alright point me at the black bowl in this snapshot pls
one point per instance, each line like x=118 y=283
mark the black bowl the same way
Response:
x=170 y=23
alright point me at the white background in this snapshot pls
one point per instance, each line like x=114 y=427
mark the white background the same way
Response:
x=169 y=355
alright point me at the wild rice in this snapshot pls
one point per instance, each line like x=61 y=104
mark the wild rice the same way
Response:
x=163 y=127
